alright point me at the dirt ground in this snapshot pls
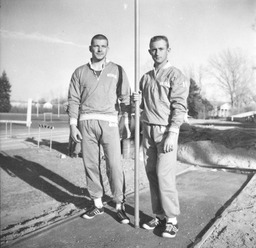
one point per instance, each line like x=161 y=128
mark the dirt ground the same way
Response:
x=39 y=187
x=237 y=226
x=225 y=147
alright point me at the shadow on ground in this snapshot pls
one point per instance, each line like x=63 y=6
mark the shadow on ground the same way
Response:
x=44 y=180
x=58 y=146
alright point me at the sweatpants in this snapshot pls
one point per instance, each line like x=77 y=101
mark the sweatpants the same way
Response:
x=161 y=171
x=97 y=134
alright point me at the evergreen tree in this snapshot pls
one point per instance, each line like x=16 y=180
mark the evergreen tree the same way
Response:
x=5 y=93
x=196 y=103
x=194 y=99
x=207 y=104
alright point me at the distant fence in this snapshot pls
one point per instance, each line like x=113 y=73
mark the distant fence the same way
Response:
x=26 y=122
x=10 y=122
x=34 y=117
x=40 y=110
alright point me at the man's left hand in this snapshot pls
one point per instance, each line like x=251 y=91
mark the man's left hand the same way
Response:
x=169 y=142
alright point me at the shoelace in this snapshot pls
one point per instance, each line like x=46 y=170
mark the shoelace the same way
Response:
x=96 y=211
x=155 y=221
x=170 y=227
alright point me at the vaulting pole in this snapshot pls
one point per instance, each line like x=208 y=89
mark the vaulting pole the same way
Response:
x=137 y=118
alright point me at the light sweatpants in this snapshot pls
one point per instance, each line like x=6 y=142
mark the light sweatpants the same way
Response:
x=98 y=133
x=161 y=171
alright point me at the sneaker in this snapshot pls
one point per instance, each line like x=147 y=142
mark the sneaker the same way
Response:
x=154 y=223
x=122 y=217
x=170 y=230
x=92 y=212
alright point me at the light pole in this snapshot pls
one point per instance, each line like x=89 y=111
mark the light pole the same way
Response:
x=137 y=117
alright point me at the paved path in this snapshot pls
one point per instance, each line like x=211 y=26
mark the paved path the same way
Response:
x=201 y=201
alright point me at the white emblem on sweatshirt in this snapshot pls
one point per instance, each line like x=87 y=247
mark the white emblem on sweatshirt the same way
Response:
x=112 y=75
x=165 y=84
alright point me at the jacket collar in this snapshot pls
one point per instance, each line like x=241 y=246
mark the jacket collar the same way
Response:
x=103 y=65
x=167 y=65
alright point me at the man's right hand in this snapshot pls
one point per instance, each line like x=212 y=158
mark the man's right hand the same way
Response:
x=136 y=96
x=75 y=134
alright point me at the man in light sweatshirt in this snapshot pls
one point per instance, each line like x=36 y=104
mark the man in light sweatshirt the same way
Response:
x=97 y=90
x=164 y=92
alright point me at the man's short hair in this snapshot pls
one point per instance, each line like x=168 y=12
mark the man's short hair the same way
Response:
x=157 y=38
x=99 y=37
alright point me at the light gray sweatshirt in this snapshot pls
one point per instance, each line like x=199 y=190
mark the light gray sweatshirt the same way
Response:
x=93 y=97
x=164 y=97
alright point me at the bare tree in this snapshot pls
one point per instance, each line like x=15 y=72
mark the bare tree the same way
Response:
x=233 y=75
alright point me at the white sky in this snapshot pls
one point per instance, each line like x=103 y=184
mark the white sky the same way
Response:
x=43 y=41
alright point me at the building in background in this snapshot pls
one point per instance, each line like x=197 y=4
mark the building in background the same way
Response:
x=220 y=110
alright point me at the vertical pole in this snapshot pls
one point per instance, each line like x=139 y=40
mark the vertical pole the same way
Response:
x=6 y=129
x=51 y=140
x=10 y=128
x=58 y=107
x=39 y=136
x=29 y=112
x=137 y=118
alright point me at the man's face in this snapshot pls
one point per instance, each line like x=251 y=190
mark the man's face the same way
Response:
x=159 y=51
x=99 y=49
